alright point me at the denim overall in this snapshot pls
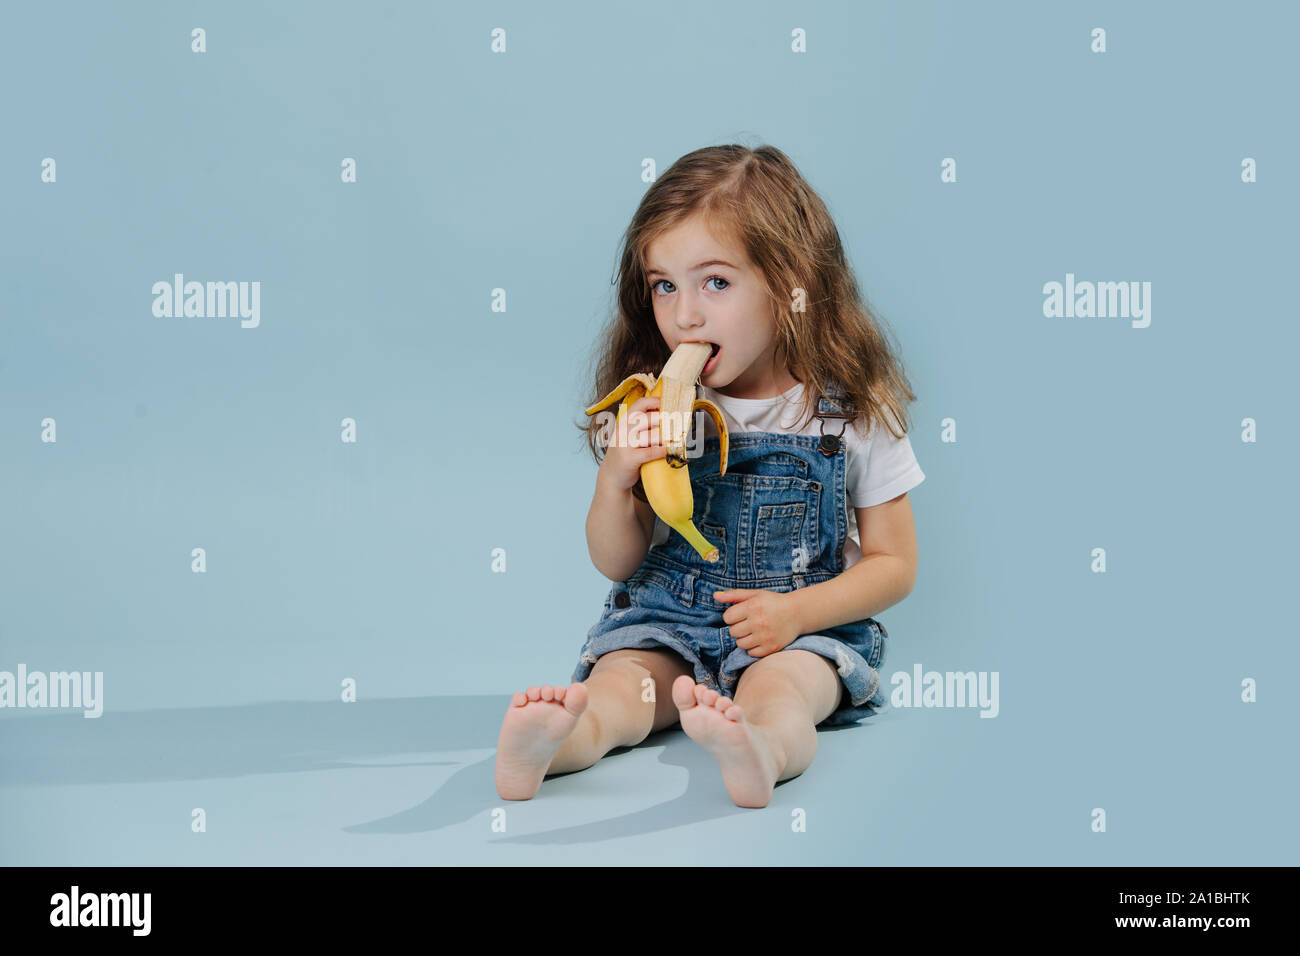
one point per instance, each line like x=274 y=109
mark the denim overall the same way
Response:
x=778 y=519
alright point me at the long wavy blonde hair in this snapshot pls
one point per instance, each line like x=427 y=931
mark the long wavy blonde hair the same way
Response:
x=755 y=199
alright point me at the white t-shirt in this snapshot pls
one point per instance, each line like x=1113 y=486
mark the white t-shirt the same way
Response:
x=879 y=468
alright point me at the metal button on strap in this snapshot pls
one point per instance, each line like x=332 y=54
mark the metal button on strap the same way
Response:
x=830 y=444
x=621 y=599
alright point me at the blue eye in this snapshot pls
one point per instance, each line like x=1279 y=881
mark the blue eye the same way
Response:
x=655 y=285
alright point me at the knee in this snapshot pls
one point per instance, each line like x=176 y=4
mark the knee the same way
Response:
x=789 y=675
x=623 y=663
x=628 y=677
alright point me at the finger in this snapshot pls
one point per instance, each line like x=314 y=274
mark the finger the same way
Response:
x=741 y=629
x=651 y=452
x=628 y=430
x=732 y=594
x=647 y=437
x=638 y=422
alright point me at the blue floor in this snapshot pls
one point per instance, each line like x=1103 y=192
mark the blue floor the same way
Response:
x=409 y=782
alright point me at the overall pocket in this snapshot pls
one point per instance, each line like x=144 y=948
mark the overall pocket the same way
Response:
x=785 y=517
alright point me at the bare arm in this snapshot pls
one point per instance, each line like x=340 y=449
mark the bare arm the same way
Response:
x=884 y=576
x=619 y=527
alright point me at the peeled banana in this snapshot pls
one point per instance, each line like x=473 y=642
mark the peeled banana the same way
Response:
x=667 y=480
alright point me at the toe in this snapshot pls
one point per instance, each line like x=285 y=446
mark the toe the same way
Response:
x=534 y=693
x=548 y=692
x=575 y=698
x=684 y=692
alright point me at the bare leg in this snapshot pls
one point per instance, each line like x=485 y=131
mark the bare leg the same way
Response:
x=551 y=730
x=768 y=732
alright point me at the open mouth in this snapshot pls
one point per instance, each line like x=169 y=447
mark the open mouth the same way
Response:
x=713 y=360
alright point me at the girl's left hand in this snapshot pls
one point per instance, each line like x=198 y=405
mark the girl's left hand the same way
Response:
x=761 y=622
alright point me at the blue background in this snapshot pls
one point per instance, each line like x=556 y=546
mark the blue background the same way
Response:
x=520 y=171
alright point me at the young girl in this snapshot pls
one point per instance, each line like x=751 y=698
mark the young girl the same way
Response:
x=732 y=247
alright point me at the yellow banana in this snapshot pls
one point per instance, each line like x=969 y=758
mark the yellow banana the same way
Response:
x=667 y=480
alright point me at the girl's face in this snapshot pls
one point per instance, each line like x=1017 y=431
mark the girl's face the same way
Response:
x=706 y=291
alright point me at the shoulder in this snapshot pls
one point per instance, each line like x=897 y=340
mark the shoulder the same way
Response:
x=861 y=435
x=881 y=465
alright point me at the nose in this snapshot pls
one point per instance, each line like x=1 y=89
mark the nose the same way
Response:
x=690 y=316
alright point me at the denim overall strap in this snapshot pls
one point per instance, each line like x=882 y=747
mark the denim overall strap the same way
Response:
x=830 y=410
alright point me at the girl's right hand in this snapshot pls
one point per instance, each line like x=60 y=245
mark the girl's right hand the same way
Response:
x=621 y=467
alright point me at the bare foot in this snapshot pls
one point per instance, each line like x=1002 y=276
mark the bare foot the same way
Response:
x=749 y=767
x=535 y=726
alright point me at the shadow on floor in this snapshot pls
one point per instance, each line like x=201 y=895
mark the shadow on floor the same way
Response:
x=57 y=748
